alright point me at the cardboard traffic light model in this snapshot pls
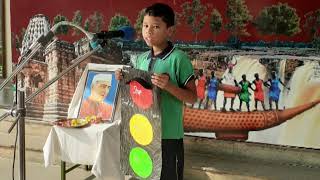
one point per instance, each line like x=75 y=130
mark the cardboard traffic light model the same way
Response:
x=140 y=129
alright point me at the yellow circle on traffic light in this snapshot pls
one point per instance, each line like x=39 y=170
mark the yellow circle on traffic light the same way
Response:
x=141 y=129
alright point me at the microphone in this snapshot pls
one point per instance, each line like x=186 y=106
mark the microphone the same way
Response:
x=126 y=33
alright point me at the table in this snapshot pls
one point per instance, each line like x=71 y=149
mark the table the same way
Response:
x=97 y=145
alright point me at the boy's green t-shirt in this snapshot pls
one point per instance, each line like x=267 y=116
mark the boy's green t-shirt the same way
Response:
x=177 y=65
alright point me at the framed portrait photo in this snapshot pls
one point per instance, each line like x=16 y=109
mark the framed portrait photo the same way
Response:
x=99 y=95
x=96 y=93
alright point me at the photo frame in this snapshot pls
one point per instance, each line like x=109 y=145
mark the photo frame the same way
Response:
x=99 y=95
x=96 y=93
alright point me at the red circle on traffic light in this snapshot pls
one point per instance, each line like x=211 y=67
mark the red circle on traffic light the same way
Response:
x=141 y=96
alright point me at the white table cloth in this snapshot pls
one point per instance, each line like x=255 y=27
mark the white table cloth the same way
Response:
x=97 y=145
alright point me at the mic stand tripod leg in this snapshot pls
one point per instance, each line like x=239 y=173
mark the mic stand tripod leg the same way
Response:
x=21 y=128
x=20 y=113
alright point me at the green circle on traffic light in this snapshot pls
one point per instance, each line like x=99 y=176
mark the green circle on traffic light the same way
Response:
x=140 y=162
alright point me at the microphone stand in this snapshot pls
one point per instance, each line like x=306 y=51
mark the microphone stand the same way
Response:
x=19 y=110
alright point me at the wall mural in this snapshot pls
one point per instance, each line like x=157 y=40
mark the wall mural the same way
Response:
x=257 y=64
x=265 y=94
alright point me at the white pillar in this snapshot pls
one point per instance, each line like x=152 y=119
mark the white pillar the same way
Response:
x=7 y=39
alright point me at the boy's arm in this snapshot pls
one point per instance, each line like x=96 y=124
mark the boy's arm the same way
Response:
x=119 y=74
x=185 y=89
x=187 y=94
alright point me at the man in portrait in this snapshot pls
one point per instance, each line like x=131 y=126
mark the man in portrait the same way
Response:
x=95 y=104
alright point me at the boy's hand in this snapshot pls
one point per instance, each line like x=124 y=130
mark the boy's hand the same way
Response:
x=160 y=80
x=118 y=74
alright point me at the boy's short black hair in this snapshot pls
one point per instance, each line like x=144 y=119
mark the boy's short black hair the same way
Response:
x=161 y=10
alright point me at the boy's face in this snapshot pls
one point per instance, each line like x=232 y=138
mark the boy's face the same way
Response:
x=155 y=31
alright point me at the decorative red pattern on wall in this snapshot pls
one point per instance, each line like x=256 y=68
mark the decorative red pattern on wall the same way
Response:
x=22 y=11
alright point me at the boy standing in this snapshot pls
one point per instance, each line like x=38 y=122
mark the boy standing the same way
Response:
x=173 y=73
